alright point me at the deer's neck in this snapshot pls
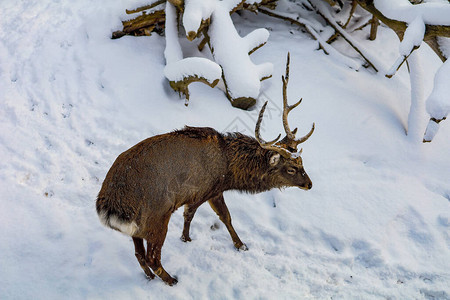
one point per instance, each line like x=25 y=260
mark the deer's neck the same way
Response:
x=247 y=164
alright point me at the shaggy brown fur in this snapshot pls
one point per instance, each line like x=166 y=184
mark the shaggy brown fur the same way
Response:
x=148 y=182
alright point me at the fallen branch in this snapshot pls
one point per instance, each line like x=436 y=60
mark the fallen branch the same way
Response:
x=319 y=9
x=328 y=49
x=182 y=86
x=142 y=25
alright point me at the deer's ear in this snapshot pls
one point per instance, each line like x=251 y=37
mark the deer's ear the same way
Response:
x=274 y=160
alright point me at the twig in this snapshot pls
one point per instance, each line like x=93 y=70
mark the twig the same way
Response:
x=352 y=11
x=350 y=15
x=362 y=26
x=373 y=28
x=398 y=63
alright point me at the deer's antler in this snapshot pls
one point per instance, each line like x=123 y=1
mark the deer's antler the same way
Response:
x=290 y=141
x=272 y=144
x=287 y=147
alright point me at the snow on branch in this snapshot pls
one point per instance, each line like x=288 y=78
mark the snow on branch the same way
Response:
x=211 y=18
x=413 y=24
x=196 y=11
x=256 y=39
x=242 y=77
x=397 y=14
x=412 y=38
x=209 y=23
x=438 y=103
x=182 y=72
x=432 y=13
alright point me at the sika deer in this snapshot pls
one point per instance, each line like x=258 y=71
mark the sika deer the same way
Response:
x=151 y=180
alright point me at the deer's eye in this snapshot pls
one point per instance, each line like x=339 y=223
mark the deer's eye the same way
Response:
x=291 y=171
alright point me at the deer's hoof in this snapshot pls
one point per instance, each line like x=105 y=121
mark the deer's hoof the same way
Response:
x=172 y=281
x=242 y=247
x=185 y=239
x=149 y=275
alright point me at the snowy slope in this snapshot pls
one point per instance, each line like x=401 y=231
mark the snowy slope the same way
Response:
x=375 y=225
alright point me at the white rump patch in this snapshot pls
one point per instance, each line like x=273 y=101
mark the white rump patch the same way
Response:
x=128 y=228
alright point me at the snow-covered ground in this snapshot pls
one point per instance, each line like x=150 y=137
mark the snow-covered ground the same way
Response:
x=375 y=225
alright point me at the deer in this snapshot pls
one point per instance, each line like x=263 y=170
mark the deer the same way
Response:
x=189 y=167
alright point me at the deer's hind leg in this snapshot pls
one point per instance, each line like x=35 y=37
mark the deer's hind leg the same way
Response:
x=139 y=251
x=155 y=241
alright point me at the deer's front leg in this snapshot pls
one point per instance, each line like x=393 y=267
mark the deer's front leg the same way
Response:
x=189 y=212
x=221 y=209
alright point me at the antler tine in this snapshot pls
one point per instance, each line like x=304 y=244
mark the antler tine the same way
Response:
x=288 y=60
x=263 y=143
x=269 y=145
x=303 y=139
x=287 y=108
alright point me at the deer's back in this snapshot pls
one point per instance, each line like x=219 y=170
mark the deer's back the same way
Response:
x=165 y=172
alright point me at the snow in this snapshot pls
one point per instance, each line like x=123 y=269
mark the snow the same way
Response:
x=375 y=225
x=438 y=103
